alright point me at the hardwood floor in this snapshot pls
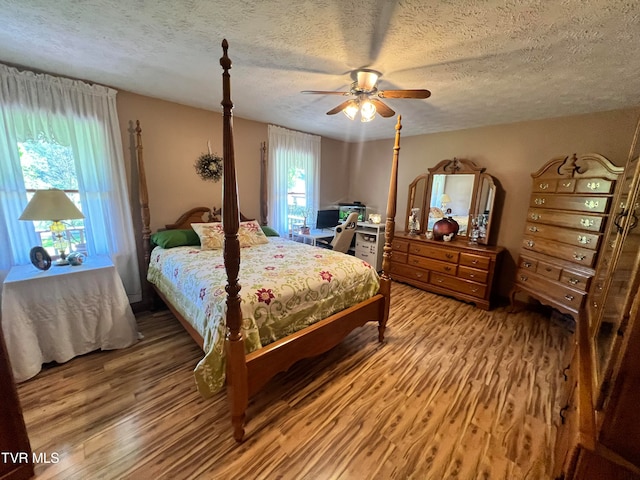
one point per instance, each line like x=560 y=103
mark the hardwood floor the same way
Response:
x=454 y=392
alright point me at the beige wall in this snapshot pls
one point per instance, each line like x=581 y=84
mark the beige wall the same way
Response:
x=174 y=136
x=509 y=152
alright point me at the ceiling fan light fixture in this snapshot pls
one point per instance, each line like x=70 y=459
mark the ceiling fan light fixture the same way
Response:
x=351 y=110
x=367 y=111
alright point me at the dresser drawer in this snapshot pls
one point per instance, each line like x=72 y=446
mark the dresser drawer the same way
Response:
x=568 y=297
x=399 y=257
x=475 y=261
x=434 y=252
x=473 y=274
x=458 y=284
x=579 y=203
x=566 y=185
x=592 y=223
x=594 y=185
x=544 y=185
x=548 y=270
x=564 y=235
x=579 y=256
x=577 y=280
x=431 y=264
x=527 y=263
x=409 y=272
x=400 y=245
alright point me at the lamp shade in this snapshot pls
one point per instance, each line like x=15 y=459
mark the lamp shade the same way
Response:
x=50 y=204
x=445 y=198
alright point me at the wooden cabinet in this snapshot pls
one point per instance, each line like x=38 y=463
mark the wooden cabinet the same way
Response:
x=454 y=268
x=568 y=214
x=17 y=463
x=599 y=426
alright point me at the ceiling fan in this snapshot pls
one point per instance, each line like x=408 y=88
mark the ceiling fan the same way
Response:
x=367 y=96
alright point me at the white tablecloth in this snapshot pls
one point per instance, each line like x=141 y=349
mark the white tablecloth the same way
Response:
x=63 y=312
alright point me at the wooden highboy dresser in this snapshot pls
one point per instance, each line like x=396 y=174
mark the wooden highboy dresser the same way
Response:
x=571 y=199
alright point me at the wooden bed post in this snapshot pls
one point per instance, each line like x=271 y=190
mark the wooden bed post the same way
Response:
x=389 y=230
x=237 y=386
x=264 y=207
x=143 y=197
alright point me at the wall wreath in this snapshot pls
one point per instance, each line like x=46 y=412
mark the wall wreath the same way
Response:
x=209 y=166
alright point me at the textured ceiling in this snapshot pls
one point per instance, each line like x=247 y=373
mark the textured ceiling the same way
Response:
x=485 y=62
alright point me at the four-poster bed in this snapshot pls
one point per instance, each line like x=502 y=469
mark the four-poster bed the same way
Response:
x=247 y=366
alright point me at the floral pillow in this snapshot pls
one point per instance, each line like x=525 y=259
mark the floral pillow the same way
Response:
x=212 y=234
x=250 y=233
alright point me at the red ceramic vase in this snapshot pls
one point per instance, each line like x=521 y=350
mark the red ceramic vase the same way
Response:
x=445 y=226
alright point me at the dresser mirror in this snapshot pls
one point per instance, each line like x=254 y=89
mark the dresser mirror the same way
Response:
x=455 y=188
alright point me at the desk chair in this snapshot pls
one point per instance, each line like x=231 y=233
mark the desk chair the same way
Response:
x=344 y=234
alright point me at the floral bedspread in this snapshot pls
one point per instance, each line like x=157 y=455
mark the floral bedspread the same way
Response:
x=286 y=286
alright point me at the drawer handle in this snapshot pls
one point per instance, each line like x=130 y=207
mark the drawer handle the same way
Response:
x=586 y=222
x=593 y=185
x=533 y=229
x=539 y=201
x=471 y=275
x=535 y=216
x=573 y=281
x=527 y=265
x=579 y=256
x=523 y=278
x=449 y=255
x=474 y=289
x=564 y=372
x=566 y=184
x=440 y=280
x=544 y=186
x=584 y=240
x=599 y=287
x=415 y=261
x=418 y=274
x=591 y=203
x=595 y=304
x=569 y=297
x=530 y=243
x=448 y=269
x=548 y=269
x=474 y=262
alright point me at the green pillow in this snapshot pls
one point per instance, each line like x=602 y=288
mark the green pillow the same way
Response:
x=268 y=231
x=175 y=238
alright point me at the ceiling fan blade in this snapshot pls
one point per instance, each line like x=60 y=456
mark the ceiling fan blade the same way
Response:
x=339 y=108
x=382 y=108
x=320 y=92
x=404 y=94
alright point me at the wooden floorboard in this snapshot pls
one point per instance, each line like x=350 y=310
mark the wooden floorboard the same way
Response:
x=454 y=392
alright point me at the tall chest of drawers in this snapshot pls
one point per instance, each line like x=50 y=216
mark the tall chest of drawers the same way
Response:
x=455 y=268
x=569 y=208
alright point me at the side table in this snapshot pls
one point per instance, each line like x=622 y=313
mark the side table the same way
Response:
x=57 y=314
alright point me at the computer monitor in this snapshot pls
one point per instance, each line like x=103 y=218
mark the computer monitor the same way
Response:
x=327 y=219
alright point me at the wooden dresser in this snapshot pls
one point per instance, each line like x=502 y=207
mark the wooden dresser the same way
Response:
x=455 y=268
x=597 y=414
x=568 y=212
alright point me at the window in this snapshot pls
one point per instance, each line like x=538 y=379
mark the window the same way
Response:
x=294 y=178
x=45 y=164
x=63 y=133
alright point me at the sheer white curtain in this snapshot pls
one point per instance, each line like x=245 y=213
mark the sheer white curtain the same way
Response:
x=84 y=118
x=289 y=150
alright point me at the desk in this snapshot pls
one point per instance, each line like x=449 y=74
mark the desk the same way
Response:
x=57 y=314
x=313 y=235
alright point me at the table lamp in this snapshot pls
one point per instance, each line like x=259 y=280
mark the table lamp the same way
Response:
x=444 y=200
x=53 y=205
